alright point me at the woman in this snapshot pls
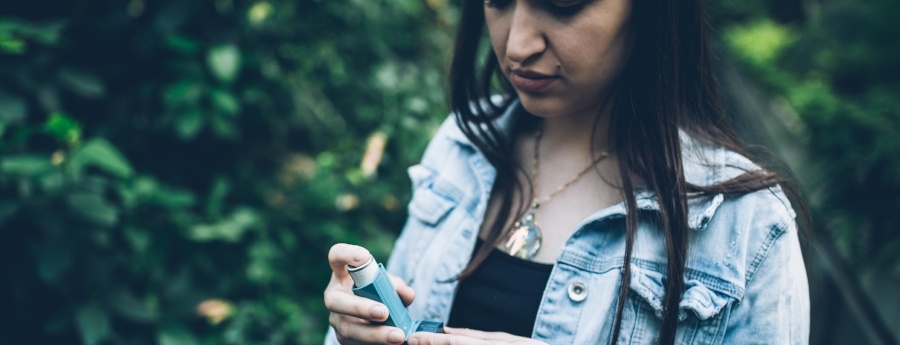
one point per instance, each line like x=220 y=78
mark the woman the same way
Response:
x=557 y=213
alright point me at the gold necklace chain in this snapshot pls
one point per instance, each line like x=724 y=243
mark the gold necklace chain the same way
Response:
x=524 y=239
x=536 y=165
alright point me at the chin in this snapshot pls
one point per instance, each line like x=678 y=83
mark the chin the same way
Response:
x=545 y=107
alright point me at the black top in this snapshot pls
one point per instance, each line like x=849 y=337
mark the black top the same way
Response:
x=502 y=295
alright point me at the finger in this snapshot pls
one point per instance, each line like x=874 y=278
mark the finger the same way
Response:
x=407 y=294
x=425 y=338
x=340 y=255
x=481 y=334
x=340 y=323
x=343 y=302
x=351 y=330
x=456 y=336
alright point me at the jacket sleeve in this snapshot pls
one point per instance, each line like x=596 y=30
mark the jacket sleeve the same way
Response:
x=775 y=306
x=330 y=337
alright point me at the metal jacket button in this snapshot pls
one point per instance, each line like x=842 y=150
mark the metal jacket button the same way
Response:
x=577 y=291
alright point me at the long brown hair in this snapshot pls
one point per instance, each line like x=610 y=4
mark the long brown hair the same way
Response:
x=671 y=67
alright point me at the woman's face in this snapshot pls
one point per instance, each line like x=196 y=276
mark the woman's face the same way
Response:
x=560 y=55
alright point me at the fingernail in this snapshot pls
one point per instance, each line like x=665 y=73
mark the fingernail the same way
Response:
x=413 y=341
x=396 y=337
x=378 y=312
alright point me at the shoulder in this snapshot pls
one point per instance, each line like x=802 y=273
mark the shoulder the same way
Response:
x=453 y=171
x=449 y=136
x=732 y=233
x=706 y=164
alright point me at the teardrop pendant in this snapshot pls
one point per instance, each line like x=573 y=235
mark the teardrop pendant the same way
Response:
x=524 y=239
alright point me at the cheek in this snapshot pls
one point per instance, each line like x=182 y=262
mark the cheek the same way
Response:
x=581 y=54
x=498 y=40
x=591 y=51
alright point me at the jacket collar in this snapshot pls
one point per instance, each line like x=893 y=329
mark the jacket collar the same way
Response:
x=703 y=165
x=504 y=123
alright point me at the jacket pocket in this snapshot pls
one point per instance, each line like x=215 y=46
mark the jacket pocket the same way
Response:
x=433 y=198
x=702 y=309
x=430 y=212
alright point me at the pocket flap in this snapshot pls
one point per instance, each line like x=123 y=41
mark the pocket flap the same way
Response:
x=432 y=200
x=698 y=297
x=419 y=174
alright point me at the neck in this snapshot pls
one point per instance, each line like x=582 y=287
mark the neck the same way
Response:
x=577 y=134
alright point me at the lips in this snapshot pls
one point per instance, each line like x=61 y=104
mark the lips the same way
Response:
x=530 y=81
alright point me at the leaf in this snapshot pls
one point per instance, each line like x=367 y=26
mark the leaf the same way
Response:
x=229 y=230
x=220 y=188
x=148 y=190
x=223 y=231
x=101 y=154
x=225 y=101
x=82 y=83
x=760 y=42
x=260 y=268
x=63 y=127
x=224 y=62
x=93 y=208
x=259 y=12
x=182 y=44
x=52 y=183
x=189 y=124
x=139 y=239
x=182 y=92
x=93 y=325
x=174 y=199
x=46 y=33
x=10 y=44
x=124 y=303
x=26 y=165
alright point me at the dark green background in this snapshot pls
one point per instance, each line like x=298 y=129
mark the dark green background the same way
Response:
x=158 y=154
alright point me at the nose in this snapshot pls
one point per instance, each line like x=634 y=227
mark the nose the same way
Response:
x=526 y=39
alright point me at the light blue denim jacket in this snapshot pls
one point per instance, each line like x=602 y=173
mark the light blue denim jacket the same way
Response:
x=745 y=279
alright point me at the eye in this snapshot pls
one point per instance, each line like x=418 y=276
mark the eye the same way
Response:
x=497 y=4
x=565 y=8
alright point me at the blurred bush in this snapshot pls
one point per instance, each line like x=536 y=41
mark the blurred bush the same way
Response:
x=175 y=172
x=836 y=64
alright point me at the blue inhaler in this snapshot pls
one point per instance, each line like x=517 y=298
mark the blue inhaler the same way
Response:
x=371 y=281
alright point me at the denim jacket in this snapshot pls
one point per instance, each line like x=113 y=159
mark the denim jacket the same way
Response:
x=745 y=281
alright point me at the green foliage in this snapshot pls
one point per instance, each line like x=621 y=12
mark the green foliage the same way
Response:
x=759 y=45
x=841 y=75
x=175 y=172
x=760 y=42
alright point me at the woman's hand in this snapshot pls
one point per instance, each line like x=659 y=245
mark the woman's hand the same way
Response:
x=460 y=336
x=350 y=314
